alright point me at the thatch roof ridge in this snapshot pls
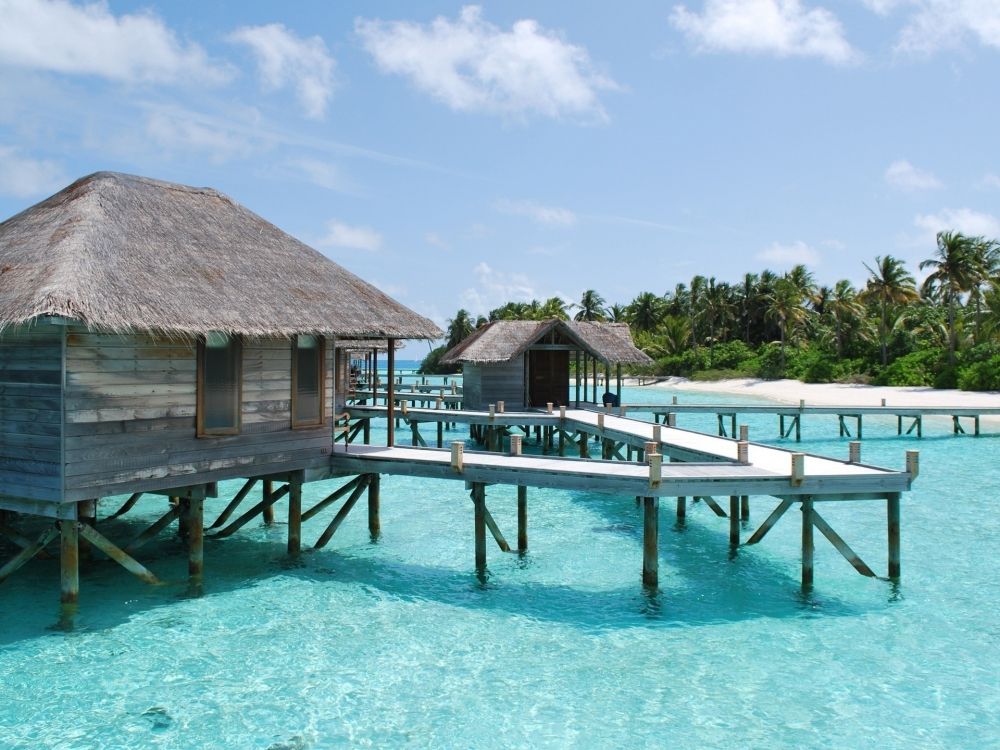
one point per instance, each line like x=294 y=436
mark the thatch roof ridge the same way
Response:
x=123 y=253
x=503 y=340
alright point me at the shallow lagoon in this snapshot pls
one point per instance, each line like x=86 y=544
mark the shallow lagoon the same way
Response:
x=399 y=644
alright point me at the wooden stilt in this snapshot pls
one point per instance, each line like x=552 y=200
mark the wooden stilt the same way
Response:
x=807 y=543
x=745 y=508
x=295 y=504
x=892 y=513
x=479 y=524
x=196 y=537
x=268 y=513
x=522 y=518
x=734 y=520
x=374 y=520
x=681 y=509
x=650 y=541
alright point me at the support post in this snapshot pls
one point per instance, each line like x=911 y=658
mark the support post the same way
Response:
x=734 y=521
x=390 y=436
x=479 y=524
x=745 y=508
x=892 y=513
x=267 y=487
x=295 y=509
x=650 y=541
x=195 y=510
x=522 y=518
x=807 y=543
x=374 y=520
x=681 y=509
x=69 y=562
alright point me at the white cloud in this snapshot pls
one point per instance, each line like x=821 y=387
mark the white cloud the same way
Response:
x=435 y=240
x=473 y=65
x=324 y=174
x=904 y=176
x=496 y=288
x=23 y=177
x=284 y=59
x=784 y=28
x=339 y=234
x=57 y=36
x=990 y=181
x=790 y=255
x=182 y=131
x=939 y=24
x=964 y=220
x=549 y=215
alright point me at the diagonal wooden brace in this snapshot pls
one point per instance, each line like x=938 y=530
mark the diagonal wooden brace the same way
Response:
x=345 y=509
x=21 y=541
x=153 y=530
x=127 y=505
x=716 y=508
x=252 y=513
x=234 y=503
x=332 y=498
x=128 y=562
x=842 y=547
x=28 y=552
x=491 y=524
x=768 y=524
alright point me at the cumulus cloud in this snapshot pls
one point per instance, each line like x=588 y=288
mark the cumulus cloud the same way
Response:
x=60 y=37
x=339 y=234
x=964 y=220
x=790 y=255
x=24 y=177
x=284 y=59
x=472 y=65
x=933 y=25
x=904 y=176
x=495 y=288
x=538 y=213
x=783 y=28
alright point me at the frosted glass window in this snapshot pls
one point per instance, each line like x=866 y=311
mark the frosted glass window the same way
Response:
x=307 y=381
x=219 y=385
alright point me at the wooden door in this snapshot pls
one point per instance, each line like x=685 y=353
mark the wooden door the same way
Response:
x=548 y=378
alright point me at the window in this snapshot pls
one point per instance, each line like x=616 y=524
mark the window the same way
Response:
x=307 y=381
x=220 y=360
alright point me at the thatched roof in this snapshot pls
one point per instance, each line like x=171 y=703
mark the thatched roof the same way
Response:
x=123 y=253
x=364 y=346
x=503 y=340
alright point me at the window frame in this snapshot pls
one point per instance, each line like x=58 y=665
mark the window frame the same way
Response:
x=321 y=420
x=200 y=429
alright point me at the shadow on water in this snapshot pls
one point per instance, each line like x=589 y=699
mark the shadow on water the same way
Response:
x=700 y=582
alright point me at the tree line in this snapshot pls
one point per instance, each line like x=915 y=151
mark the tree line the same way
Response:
x=943 y=333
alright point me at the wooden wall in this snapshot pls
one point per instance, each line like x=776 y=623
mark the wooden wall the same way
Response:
x=472 y=386
x=130 y=416
x=31 y=412
x=503 y=381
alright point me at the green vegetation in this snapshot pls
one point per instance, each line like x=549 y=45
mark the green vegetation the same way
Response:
x=944 y=334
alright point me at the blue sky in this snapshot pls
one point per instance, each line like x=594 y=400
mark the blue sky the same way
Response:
x=463 y=156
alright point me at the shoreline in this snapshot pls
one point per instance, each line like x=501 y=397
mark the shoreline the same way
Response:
x=829 y=394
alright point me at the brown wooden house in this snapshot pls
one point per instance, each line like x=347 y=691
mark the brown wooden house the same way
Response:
x=526 y=363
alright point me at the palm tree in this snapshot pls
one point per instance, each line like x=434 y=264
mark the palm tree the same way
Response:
x=785 y=308
x=617 y=313
x=844 y=308
x=459 y=327
x=646 y=312
x=889 y=285
x=745 y=294
x=986 y=254
x=803 y=280
x=554 y=307
x=954 y=272
x=591 y=307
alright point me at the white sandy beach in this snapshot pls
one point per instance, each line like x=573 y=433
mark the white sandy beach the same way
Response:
x=834 y=394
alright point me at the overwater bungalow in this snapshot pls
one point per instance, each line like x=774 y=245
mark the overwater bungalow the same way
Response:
x=159 y=338
x=526 y=363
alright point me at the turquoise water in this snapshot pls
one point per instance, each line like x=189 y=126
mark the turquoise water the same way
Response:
x=398 y=644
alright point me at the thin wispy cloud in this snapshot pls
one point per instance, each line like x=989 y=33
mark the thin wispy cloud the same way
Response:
x=472 y=65
x=60 y=37
x=990 y=181
x=540 y=214
x=339 y=234
x=904 y=176
x=790 y=254
x=178 y=131
x=782 y=28
x=933 y=25
x=323 y=174
x=285 y=60
x=24 y=177
x=495 y=288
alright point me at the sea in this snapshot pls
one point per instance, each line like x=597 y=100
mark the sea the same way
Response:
x=398 y=643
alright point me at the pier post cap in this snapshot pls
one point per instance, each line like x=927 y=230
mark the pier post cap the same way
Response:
x=437 y=402
x=671 y=419
x=600 y=420
x=854 y=452
x=493 y=410
x=798 y=469
x=883 y=402
x=744 y=432
x=802 y=403
x=515 y=445
x=500 y=407
x=674 y=400
x=548 y=406
x=658 y=434
x=621 y=410
x=913 y=463
x=743 y=452
x=655 y=461
x=651 y=446
x=457 y=455
x=402 y=405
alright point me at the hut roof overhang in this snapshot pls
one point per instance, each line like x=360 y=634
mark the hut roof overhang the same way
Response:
x=123 y=253
x=505 y=340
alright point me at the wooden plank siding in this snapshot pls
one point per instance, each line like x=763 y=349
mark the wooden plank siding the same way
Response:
x=502 y=381
x=472 y=386
x=31 y=412
x=130 y=416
